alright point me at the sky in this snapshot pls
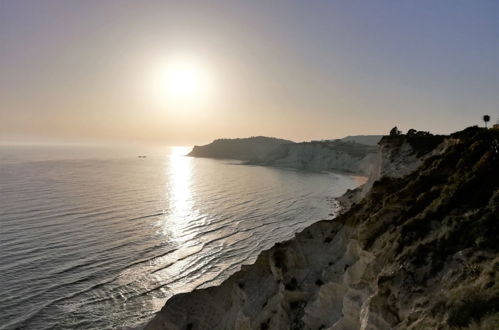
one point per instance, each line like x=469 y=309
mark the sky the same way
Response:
x=87 y=71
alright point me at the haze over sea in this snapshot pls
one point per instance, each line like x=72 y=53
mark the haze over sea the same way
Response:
x=99 y=238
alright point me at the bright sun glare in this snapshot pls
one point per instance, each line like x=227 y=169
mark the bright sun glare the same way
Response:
x=182 y=82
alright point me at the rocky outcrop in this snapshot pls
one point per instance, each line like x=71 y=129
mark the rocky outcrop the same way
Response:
x=397 y=156
x=252 y=148
x=323 y=156
x=290 y=286
x=434 y=237
x=334 y=155
x=419 y=251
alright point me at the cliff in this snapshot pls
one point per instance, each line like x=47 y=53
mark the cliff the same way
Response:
x=334 y=155
x=323 y=155
x=370 y=140
x=398 y=156
x=252 y=148
x=419 y=251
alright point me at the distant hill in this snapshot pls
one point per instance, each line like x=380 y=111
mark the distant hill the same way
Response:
x=370 y=140
x=333 y=155
x=251 y=148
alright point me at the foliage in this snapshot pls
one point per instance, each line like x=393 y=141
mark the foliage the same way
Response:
x=445 y=213
x=486 y=119
x=395 y=131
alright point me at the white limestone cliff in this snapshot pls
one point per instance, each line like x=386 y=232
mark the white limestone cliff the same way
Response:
x=395 y=260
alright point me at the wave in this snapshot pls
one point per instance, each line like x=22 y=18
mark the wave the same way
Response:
x=89 y=243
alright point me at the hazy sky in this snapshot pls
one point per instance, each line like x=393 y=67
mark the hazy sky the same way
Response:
x=83 y=70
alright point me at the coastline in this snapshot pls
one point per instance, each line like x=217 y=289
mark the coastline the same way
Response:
x=367 y=267
x=337 y=208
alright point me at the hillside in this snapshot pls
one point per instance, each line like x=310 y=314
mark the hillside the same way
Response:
x=419 y=251
x=316 y=155
x=252 y=148
x=323 y=155
x=370 y=140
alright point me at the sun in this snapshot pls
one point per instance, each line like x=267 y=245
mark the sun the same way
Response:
x=184 y=80
x=182 y=83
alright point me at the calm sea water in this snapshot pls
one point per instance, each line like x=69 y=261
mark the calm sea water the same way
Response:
x=99 y=239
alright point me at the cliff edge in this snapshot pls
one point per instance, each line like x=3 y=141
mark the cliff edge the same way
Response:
x=323 y=156
x=418 y=251
x=337 y=155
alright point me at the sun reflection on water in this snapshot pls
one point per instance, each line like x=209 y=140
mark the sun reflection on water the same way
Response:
x=179 y=194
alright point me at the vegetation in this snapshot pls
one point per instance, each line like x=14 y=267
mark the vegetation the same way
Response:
x=421 y=142
x=395 y=131
x=440 y=220
x=251 y=148
x=431 y=249
x=486 y=119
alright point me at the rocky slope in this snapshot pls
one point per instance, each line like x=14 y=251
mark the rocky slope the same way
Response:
x=398 y=156
x=252 y=148
x=334 y=155
x=419 y=251
x=323 y=155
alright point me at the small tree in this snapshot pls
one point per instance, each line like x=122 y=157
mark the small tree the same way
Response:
x=411 y=132
x=394 y=131
x=486 y=119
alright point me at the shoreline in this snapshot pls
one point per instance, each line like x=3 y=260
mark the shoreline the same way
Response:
x=336 y=208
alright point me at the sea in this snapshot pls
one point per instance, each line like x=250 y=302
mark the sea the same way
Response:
x=100 y=237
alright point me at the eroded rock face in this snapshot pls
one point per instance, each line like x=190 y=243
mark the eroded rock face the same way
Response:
x=324 y=155
x=399 y=156
x=434 y=237
x=420 y=251
x=313 y=281
x=316 y=155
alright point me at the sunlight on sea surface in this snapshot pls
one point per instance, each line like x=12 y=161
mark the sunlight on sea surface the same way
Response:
x=180 y=194
x=98 y=239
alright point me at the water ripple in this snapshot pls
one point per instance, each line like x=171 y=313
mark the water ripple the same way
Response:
x=103 y=242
